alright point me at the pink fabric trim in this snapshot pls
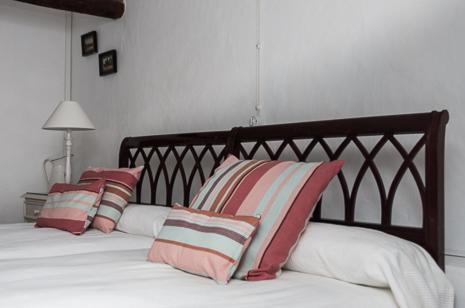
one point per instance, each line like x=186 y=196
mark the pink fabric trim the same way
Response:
x=103 y=224
x=195 y=262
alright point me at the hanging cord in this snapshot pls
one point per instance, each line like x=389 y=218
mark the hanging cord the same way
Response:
x=257 y=119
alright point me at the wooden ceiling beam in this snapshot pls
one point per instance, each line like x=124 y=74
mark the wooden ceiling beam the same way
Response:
x=104 y=8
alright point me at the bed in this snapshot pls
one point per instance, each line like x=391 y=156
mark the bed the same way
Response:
x=51 y=268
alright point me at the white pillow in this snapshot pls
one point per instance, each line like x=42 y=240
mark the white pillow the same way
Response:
x=373 y=258
x=144 y=220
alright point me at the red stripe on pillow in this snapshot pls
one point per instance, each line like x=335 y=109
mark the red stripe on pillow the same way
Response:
x=63 y=187
x=73 y=226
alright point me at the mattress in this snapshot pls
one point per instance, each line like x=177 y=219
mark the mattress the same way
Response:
x=51 y=268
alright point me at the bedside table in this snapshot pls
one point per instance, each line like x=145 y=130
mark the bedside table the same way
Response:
x=33 y=203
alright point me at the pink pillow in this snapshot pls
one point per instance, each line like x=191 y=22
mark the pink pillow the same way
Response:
x=119 y=186
x=68 y=207
x=202 y=242
x=283 y=193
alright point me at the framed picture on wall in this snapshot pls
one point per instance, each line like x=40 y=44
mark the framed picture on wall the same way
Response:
x=89 y=43
x=107 y=62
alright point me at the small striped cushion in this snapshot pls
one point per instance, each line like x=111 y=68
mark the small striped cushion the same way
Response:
x=69 y=207
x=283 y=193
x=202 y=242
x=119 y=186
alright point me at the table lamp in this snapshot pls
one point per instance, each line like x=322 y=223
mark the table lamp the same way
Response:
x=68 y=116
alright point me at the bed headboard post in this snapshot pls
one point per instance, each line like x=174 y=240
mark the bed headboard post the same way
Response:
x=433 y=214
x=232 y=147
x=124 y=154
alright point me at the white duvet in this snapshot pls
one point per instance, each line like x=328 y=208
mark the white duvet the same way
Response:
x=50 y=268
x=123 y=279
x=24 y=241
x=373 y=258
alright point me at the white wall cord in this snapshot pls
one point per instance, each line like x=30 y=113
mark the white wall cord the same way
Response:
x=257 y=119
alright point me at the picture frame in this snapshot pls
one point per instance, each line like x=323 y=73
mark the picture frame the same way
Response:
x=108 y=63
x=89 y=44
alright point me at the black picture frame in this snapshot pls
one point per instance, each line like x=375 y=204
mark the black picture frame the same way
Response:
x=89 y=44
x=108 y=63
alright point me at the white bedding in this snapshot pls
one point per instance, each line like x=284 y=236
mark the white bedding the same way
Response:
x=373 y=258
x=20 y=241
x=50 y=268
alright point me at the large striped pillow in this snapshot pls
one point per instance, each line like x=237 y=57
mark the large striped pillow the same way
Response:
x=119 y=185
x=70 y=207
x=203 y=242
x=283 y=193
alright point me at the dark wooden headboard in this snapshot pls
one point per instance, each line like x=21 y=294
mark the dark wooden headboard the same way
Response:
x=176 y=165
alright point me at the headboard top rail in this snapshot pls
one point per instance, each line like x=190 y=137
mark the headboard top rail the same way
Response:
x=364 y=126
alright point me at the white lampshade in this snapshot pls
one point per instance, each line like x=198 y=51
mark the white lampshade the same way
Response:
x=68 y=115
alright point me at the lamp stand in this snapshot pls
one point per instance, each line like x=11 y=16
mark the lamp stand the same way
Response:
x=68 y=145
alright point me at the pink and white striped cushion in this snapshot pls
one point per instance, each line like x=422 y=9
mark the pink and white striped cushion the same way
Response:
x=203 y=242
x=68 y=206
x=283 y=193
x=119 y=186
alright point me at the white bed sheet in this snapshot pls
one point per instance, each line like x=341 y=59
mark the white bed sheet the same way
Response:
x=23 y=240
x=100 y=270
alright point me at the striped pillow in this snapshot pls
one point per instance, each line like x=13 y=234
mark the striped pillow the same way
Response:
x=119 y=185
x=283 y=193
x=69 y=207
x=202 y=242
